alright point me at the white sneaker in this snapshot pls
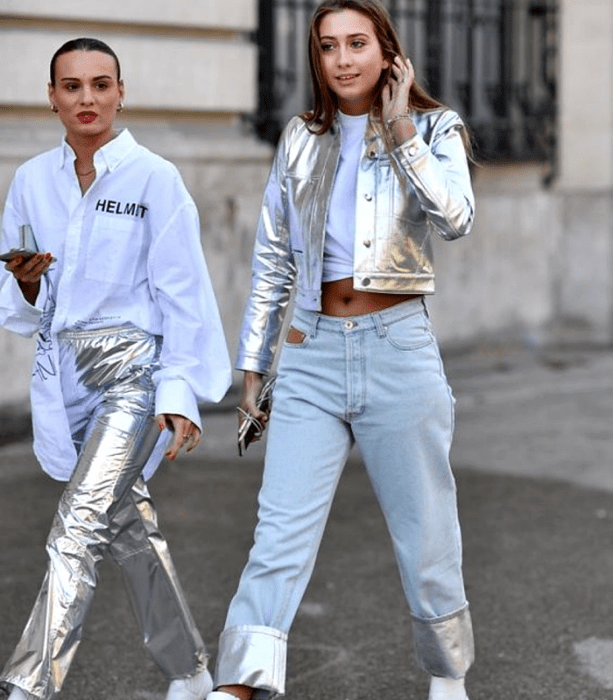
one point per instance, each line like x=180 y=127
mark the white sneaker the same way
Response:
x=220 y=695
x=19 y=694
x=193 y=688
x=447 y=689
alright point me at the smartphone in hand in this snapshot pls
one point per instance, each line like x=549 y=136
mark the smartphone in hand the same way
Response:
x=25 y=253
x=27 y=246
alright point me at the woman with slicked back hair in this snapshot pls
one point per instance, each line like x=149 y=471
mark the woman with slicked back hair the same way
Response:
x=115 y=287
x=358 y=187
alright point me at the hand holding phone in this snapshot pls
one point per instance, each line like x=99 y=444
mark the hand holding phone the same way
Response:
x=26 y=250
x=13 y=253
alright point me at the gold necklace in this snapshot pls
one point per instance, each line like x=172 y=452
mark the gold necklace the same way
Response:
x=89 y=172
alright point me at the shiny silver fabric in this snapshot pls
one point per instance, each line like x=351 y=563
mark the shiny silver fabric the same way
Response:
x=104 y=356
x=444 y=646
x=256 y=656
x=106 y=507
x=403 y=196
x=253 y=655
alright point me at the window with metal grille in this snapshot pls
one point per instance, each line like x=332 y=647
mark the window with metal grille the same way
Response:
x=494 y=61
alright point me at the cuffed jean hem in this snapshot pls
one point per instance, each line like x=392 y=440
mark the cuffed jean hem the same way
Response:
x=253 y=655
x=444 y=646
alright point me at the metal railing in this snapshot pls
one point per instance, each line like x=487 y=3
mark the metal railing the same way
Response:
x=494 y=61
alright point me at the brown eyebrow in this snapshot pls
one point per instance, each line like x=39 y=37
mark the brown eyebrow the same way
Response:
x=99 y=77
x=350 y=36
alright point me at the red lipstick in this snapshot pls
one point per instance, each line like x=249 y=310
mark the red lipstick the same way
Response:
x=86 y=117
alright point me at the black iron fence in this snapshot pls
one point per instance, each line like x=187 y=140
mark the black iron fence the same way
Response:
x=494 y=61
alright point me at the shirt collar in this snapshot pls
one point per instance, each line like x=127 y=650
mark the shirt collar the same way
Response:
x=111 y=154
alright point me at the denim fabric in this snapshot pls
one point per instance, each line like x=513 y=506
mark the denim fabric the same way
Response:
x=376 y=380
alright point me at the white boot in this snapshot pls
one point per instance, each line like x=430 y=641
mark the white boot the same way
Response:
x=19 y=694
x=193 y=688
x=447 y=689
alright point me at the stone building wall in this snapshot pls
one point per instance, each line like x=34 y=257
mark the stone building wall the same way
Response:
x=538 y=266
x=190 y=72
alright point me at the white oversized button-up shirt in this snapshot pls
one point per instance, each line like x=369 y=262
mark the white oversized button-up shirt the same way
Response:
x=128 y=251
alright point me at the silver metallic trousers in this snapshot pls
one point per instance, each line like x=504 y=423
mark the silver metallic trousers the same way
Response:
x=106 y=507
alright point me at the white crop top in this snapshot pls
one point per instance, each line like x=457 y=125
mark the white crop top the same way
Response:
x=340 y=227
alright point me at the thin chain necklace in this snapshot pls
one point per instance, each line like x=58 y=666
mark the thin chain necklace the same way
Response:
x=89 y=172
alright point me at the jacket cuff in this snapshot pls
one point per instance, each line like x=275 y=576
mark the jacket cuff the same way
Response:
x=412 y=150
x=176 y=396
x=251 y=362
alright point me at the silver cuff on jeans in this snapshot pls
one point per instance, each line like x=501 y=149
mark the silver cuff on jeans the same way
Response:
x=253 y=655
x=444 y=646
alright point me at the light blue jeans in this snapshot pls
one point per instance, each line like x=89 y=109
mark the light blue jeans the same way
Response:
x=376 y=380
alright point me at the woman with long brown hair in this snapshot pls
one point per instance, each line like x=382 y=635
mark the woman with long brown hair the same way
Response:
x=357 y=189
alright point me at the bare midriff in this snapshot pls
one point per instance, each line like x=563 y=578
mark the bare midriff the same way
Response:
x=339 y=298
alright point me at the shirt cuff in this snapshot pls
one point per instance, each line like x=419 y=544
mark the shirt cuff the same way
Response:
x=16 y=313
x=176 y=396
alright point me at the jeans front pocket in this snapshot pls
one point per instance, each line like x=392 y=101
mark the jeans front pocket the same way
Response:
x=296 y=337
x=410 y=333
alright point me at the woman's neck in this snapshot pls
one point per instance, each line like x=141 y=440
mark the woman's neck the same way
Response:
x=86 y=147
x=353 y=116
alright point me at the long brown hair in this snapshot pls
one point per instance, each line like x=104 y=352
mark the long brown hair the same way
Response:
x=325 y=102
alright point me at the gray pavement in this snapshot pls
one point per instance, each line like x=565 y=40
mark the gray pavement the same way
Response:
x=534 y=463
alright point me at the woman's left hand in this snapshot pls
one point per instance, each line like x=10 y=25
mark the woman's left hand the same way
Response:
x=395 y=94
x=185 y=433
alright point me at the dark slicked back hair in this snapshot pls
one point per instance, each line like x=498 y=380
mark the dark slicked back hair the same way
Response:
x=320 y=118
x=83 y=44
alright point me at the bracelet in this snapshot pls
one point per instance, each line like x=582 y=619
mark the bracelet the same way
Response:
x=393 y=120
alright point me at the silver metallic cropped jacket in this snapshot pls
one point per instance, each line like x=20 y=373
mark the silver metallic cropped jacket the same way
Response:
x=402 y=197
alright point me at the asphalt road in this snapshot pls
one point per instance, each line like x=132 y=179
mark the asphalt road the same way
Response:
x=534 y=464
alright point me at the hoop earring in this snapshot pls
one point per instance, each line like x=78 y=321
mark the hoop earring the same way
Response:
x=120 y=107
x=54 y=108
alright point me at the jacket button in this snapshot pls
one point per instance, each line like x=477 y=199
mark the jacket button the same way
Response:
x=368 y=197
x=412 y=150
x=365 y=281
x=367 y=243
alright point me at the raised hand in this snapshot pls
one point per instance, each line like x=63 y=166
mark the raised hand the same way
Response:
x=395 y=95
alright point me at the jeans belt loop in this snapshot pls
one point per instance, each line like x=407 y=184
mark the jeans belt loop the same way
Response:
x=381 y=328
x=314 y=322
